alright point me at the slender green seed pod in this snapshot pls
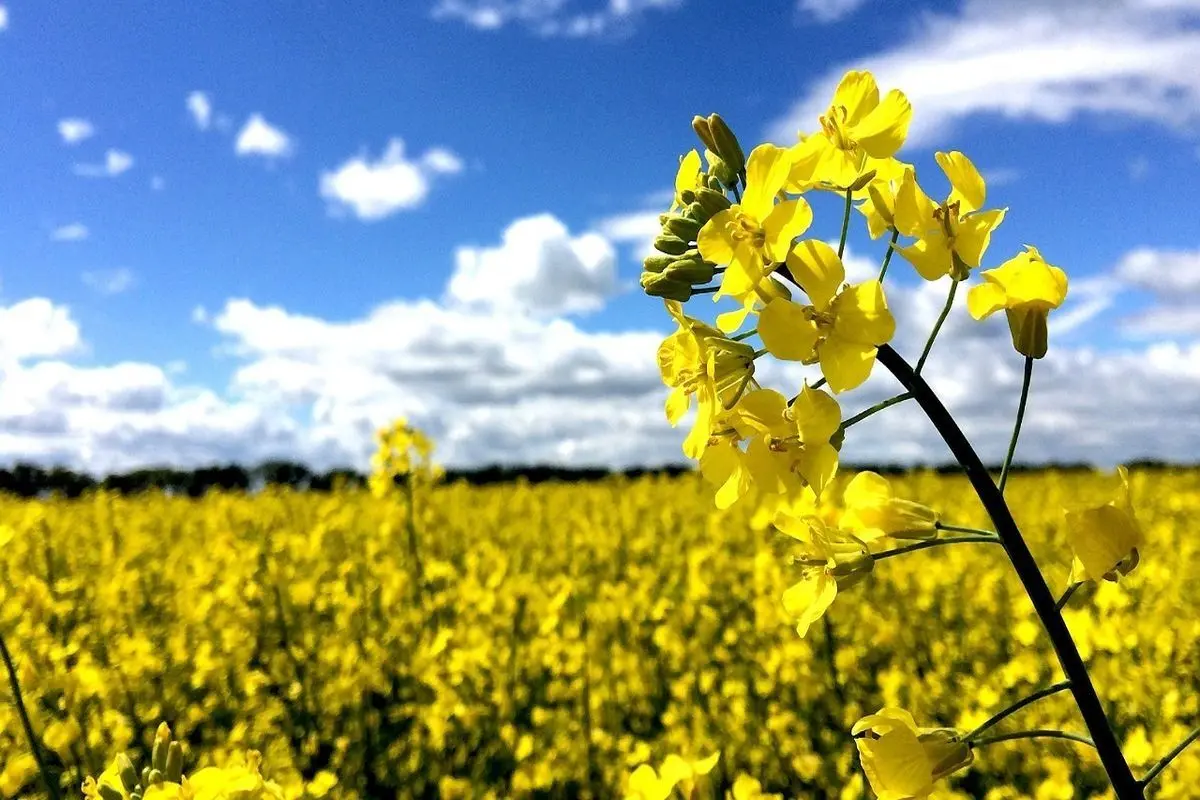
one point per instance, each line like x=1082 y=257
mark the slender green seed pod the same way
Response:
x=670 y=244
x=174 y=770
x=726 y=143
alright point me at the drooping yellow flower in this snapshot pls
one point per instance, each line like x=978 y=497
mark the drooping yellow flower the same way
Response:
x=698 y=360
x=872 y=511
x=753 y=236
x=951 y=236
x=902 y=761
x=1028 y=289
x=1106 y=539
x=832 y=558
x=787 y=447
x=688 y=177
x=842 y=329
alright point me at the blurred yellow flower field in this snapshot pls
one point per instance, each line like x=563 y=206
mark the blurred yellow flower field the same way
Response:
x=562 y=636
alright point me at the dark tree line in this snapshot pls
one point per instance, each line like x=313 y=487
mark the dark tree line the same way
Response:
x=27 y=480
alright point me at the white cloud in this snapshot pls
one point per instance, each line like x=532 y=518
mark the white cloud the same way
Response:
x=74 y=232
x=158 y=183
x=199 y=105
x=115 y=162
x=259 y=138
x=1168 y=273
x=74 y=130
x=109 y=281
x=1045 y=60
x=565 y=18
x=825 y=11
x=538 y=268
x=36 y=328
x=3 y=18
x=373 y=190
x=638 y=228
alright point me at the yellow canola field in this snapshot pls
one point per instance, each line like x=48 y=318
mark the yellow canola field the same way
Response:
x=565 y=634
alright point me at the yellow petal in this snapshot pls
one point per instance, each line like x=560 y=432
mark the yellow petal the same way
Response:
x=858 y=93
x=867 y=489
x=896 y=765
x=705 y=765
x=730 y=321
x=986 y=299
x=688 y=175
x=882 y=132
x=809 y=599
x=714 y=241
x=786 y=221
x=969 y=190
x=759 y=411
x=805 y=157
x=818 y=465
x=766 y=173
x=846 y=365
x=1101 y=538
x=678 y=402
x=931 y=257
x=817 y=415
x=817 y=269
x=914 y=209
x=974 y=234
x=860 y=314
x=674 y=769
x=786 y=331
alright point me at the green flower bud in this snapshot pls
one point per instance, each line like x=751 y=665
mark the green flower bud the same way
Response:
x=714 y=202
x=155 y=777
x=662 y=218
x=853 y=570
x=126 y=772
x=682 y=227
x=174 y=770
x=715 y=184
x=701 y=126
x=670 y=244
x=691 y=271
x=726 y=144
x=109 y=793
x=863 y=180
x=687 y=196
x=662 y=286
x=657 y=263
x=946 y=750
x=697 y=212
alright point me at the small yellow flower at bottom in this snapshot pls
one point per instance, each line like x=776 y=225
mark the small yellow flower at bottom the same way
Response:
x=747 y=788
x=902 y=761
x=1106 y=539
x=1028 y=289
x=645 y=783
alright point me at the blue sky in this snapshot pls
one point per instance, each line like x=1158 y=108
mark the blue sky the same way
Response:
x=255 y=230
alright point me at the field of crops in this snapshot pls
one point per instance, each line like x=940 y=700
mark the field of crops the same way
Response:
x=562 y=635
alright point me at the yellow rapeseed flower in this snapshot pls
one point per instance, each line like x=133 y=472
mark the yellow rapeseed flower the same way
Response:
x=902 y=761
x=951 y=236
x=832 y=558
x=1028 y=289
x=842 y=329
x=872 y=510
x=1106 y=539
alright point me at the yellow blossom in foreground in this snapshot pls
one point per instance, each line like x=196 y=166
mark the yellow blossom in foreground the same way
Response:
x=1106 y=539
x=1028 y=289
x=872 y=511
x=842 y=329
x=832 y=559
x=902 y=761
x=952 y=236
x=856 y=128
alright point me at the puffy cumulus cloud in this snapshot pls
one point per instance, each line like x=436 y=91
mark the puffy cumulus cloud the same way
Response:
x=36 y=328
x=1046 y=60
x=826 y=11
x=115 y=163
x=199 y=105
x=636 y=228
x=74 y=130
x=373 y=190
x=260 y=138
x=566 y=18
x=538 y=268
x=1172 y=277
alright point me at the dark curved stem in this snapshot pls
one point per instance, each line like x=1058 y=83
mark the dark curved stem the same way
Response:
x=1125 y=786
x=19 y=701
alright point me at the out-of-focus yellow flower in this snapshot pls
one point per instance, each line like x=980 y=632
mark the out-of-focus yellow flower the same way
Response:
x=698 y=360
x=18 y=770
x=856 y=129
x=754 y=235
x=1028 y=289
x=645 y=783
x=951 y=236
x=402 y=452
x=842 y=329
x=1107 y=539
x=747 y=788
x=872 y=511
x=902 y=761
x=832 y=559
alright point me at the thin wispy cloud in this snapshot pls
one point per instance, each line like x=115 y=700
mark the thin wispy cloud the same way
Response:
x=74 y=232
x=109 y=282
x=199 y=105
x=115 y=163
